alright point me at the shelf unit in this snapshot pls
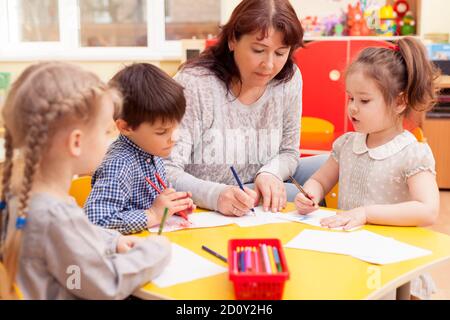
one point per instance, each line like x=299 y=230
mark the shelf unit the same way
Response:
x=437 y=133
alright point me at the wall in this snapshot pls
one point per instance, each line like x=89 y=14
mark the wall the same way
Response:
x=434 y=16
x=200 y=11
x=105 y=70
x=433 y=11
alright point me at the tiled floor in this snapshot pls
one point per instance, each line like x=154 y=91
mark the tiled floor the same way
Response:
x=441 y=274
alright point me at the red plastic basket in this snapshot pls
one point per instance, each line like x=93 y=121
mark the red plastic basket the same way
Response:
x=257 y=286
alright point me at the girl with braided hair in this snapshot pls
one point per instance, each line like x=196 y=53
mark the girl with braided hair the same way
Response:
x=59 y=117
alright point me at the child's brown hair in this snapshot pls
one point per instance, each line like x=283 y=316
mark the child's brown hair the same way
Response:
x=149 y=94
x=401 y=71
x=44 y=99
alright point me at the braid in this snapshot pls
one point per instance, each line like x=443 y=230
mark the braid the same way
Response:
x=49 y=97
x=6 y=285
x=7 y=173
x=35 y=142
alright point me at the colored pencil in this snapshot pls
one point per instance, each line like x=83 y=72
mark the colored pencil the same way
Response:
x=271 y=259
x=277 y=259
x=249 y=259
x=238 y=180
x=243 y=265
x=215 y=254
x=161 y=226
x=255 y=255
x=300 y=188
x=266 y=259
x=181 y=213
x=235 y=262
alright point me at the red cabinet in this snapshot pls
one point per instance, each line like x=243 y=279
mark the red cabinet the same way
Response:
x=323 y=64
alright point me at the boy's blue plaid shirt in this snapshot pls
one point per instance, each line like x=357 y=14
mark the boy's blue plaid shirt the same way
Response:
x=120 y=194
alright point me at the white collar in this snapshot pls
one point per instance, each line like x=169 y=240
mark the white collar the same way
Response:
x=386 y=150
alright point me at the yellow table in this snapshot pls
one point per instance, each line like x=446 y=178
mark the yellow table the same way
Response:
x=313 y=275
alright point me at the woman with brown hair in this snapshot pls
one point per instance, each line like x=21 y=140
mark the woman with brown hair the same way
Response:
x=244 y=103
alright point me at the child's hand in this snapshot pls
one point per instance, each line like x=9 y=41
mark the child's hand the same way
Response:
x=305 y=205
x=190 y=209
x=125 y=243
x=169 y=198
x=348 y=219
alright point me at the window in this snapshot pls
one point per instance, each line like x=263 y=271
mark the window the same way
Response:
x=187 y=19
x=103 y=29
x=34 y=20
x=113 y=23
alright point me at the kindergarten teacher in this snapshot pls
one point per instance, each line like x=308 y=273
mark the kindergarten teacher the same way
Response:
x=244 y=103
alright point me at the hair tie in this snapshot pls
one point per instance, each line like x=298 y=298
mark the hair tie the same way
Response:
x=394 y=47
x=21 y=222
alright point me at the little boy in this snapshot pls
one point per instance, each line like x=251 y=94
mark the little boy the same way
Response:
x=124 y=195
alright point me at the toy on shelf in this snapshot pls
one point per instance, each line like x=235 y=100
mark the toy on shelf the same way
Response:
x=329 y=24
x=387 y=25
x=356 y=23
x=408 y=24
x=333 y=25
x=311 y=27
x=339 y=29
x=371 y=15
x=401 y=8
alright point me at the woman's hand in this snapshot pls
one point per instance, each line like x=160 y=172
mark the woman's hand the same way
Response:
x=174 y=201
x=305 y=205
x=272 y=191
x=235 y=202
x=126 y=243
x=348 y=219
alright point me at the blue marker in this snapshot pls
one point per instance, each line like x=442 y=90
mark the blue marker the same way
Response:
x=239 y=182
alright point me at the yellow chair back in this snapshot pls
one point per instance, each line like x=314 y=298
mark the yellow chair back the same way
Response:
x=331 y=199
x=5 y=293
x=316 y=125
x=80 y=189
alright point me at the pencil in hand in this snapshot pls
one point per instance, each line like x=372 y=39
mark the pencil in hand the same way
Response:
x=300 y=188
x=161 y=226
x=238 y=180
x=181 y=213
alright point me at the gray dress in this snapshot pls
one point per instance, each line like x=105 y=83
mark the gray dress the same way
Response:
x=379 y=176
x=64 y=256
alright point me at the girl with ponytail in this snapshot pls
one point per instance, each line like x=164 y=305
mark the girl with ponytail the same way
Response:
x=385 y=175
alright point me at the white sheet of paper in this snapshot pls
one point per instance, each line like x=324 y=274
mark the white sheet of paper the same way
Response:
x=196 y=220
x=211 y=219
x=323 y=241
x=258 y=218
x=313 y=218
x=185 y=266
x=376 y=249
x=363 y=245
